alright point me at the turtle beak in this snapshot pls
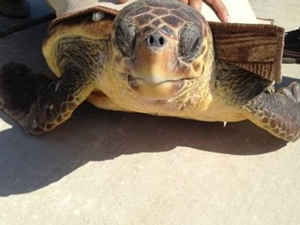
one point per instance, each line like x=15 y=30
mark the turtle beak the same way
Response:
x=154 y=67
x=155 y=59
x=155 y=91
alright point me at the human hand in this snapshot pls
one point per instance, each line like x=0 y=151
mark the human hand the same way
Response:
x=216 y=5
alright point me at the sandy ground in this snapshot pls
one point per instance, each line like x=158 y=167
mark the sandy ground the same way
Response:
x=112 y=168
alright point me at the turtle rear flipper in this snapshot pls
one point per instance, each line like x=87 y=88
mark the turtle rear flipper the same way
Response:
x=278 y=113
x=37 y=102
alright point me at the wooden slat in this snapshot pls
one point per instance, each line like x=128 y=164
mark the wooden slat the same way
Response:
x=254 y=47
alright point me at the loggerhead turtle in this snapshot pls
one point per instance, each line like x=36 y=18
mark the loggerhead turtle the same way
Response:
x=154 y=57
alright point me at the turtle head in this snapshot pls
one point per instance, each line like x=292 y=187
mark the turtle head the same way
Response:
x=160 y=47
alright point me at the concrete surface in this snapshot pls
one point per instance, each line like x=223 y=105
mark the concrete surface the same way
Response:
x=112 y=168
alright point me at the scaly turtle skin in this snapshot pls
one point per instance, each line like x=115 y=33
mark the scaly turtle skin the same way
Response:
x=155 y=57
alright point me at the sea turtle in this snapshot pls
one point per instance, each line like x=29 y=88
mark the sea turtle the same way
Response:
x=154 y=57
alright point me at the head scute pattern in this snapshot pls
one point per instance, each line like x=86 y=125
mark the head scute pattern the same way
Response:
x=167 y=17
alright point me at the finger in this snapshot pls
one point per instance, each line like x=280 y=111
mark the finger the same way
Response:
x=121 y=1
x=196 y=4
x=220 y=9
x=184 y=1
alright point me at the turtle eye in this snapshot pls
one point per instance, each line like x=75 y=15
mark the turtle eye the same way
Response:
x=190 y=40
x=125 y=37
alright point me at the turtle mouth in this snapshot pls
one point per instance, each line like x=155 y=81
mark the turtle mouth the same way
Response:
x=160 y=90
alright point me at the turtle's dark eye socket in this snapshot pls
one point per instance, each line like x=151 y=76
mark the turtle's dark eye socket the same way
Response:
x=190 y=40
x=125 y=37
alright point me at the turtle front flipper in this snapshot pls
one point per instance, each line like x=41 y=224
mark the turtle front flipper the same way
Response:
x=278 y=113
x=39 y=103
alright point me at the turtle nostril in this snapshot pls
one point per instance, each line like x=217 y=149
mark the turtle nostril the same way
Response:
x=161 y=41
x=156 y=40
x=151 y=40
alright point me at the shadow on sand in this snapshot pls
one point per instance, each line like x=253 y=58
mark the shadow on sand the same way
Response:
x=28 y=163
